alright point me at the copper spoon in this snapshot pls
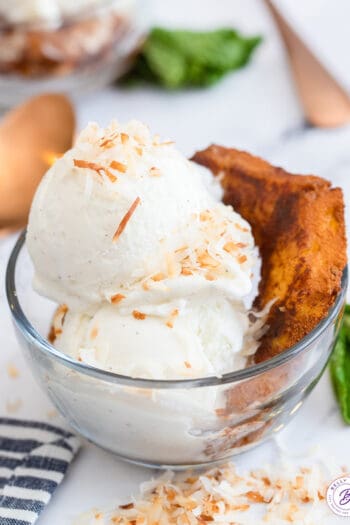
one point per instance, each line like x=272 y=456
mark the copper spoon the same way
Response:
x=41 y=128
x=325 y=102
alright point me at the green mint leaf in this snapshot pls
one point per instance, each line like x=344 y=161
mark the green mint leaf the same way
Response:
x=340 y=367
x=180 y=58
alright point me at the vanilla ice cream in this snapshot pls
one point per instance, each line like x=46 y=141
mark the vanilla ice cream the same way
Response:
x=152 y=267
x=203 y=339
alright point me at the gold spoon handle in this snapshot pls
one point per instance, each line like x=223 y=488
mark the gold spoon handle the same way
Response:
x=325 y=102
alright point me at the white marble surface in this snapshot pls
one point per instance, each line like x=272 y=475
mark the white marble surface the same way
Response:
x=254 y=109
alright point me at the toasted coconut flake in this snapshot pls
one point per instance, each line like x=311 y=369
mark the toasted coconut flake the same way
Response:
x=241 y=228
x=242 y=259
x=60 y=315
x=140 y=316
x=107 y=144
x=182 y=249
x=126 y=219
x=158 y=277
x=207 y=261
x=79 y=163
x=155 y=172
x=186 y=271
x=230 y=247
x=117 y=298
x=62 y=310
x=124 y=138
x=205 y=216
x=220 y=495
x=205 y=517
x=12 y=371
x=139 y=151
x=266 y=481
x=241 y=508
x=299 y=482
x=112 y=178
x=171 y=318
x=51 y=337
x=187 y=364
x=210 y=276
x=254 y=496
x=57 y=323
x=119 y=166
x=127 y=506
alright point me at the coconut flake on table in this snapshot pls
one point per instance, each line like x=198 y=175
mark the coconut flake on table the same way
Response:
x=280 y=495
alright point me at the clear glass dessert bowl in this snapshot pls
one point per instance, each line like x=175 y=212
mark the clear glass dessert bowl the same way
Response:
x=177 y=423
x=72 y=52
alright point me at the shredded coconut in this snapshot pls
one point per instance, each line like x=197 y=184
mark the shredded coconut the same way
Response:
x=279 y=495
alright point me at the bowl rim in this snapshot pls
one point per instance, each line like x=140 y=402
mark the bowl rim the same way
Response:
x=63 y=20
x=49 y=350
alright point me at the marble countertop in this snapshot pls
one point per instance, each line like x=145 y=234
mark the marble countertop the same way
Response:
x=255 y=109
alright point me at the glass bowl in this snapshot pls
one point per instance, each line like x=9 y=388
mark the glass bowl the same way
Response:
x=72 y=53
x=168 y=424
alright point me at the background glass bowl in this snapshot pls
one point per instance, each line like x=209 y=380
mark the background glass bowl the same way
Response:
x=77 y=54
x=173 y=424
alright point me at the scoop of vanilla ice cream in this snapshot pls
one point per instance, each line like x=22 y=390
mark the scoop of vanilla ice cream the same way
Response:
x=198 y=339
x=151 y=269
x=123 y=216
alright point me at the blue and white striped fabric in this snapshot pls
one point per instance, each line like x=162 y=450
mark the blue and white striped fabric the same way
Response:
x=33 y=460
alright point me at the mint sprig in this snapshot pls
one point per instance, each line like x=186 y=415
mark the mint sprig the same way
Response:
x=340 y=367
x=179 y=58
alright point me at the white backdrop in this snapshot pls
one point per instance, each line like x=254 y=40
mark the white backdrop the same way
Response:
x=255 y=109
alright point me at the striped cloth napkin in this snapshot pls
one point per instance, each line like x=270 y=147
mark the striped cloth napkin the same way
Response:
x=33 y=460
